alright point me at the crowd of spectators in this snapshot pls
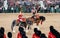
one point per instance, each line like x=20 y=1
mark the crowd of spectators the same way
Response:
x=37 y=33
x=15 y=6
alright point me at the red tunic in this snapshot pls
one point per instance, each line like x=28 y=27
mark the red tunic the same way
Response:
x=19 y=35
x=51 y=35
x=19 y=16
x=35 y=36
x=4 y=35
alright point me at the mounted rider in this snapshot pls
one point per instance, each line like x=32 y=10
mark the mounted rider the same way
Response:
x=20 y=18
x=33 y=11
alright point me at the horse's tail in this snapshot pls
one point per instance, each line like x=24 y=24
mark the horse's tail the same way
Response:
x=42 y=18
x=13 y=23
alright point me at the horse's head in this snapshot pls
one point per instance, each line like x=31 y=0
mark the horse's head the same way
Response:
x=42 y=18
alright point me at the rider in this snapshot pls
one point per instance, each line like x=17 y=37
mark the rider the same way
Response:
x=20 y=17
x=33 y=11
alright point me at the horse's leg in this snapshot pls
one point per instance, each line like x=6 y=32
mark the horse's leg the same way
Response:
x=29 y=24
x=25 y=26
x=41 y=22
x=28 y=27
x=37 y=23
x=14 y=29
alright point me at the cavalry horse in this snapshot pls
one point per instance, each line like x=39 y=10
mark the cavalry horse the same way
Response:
x=28 y=22
x=22 y=23
x=38 y=19
x=35 y=19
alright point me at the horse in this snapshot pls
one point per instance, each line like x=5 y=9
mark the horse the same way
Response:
x=38 y=20
x=31 y=20
x=25 y=24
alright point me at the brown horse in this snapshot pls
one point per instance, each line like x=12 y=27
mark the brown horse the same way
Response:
x=38 y=19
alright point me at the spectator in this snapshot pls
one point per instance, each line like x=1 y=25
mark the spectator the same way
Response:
x=3 y=30
x=23 y=33
x=56 y=33
x=51 y=34
x=19 y=34
x=1 y=7
x=1 y=35
x=5 y=5
x=36 y=34
x=9 y=34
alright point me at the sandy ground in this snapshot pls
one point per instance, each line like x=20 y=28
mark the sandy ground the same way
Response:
x=51 y=19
